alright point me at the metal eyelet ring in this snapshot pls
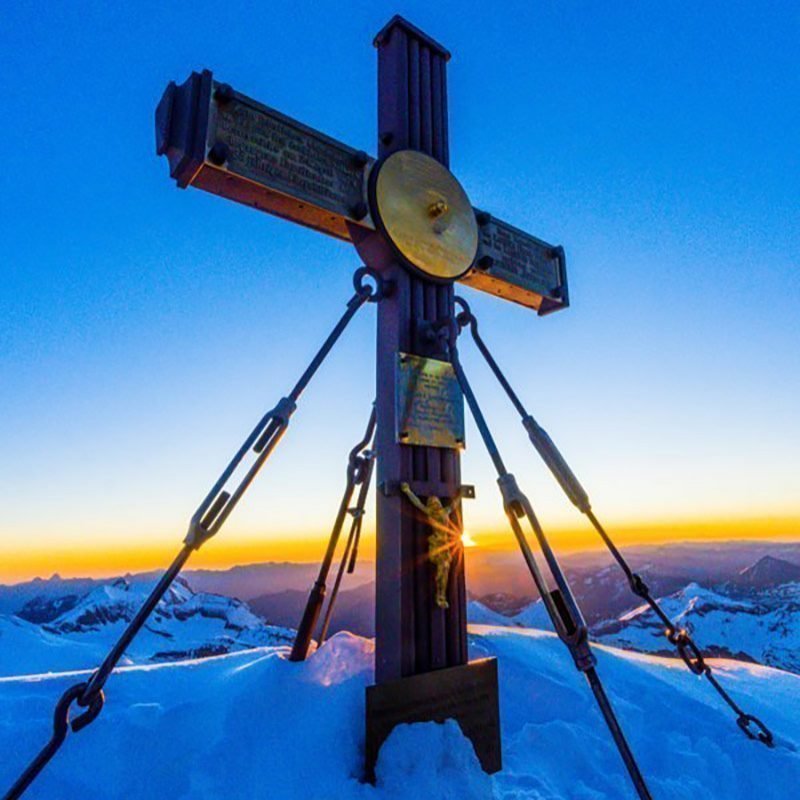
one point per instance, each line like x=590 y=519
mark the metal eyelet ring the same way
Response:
x=465 y=316
x=61 y=719
x=373 y=294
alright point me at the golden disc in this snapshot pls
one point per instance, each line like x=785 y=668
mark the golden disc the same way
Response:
x=426 y=214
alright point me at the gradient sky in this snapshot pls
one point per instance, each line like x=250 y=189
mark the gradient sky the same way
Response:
x=143 y=329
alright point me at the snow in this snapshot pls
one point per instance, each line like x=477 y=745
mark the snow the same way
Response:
x=252 y=724
x=761 y=626
x=481 y=614
x=27 y=648
x=184 y=623
x=534 y=615
x=436 y=760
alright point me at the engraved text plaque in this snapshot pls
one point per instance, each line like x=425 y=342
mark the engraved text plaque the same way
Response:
x=279 y=153
x=430 y=406
x=224 y=142
x=519 y=267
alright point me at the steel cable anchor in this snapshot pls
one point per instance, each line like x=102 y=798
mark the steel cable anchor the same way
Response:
x=560 y=603
x=205 y=523
x=62 y=724
x=357 y=472
x=687 y=649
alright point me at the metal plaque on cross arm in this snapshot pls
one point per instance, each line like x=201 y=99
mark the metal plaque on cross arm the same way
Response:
x=517 y=266
x=429 y=403
x=226 y=143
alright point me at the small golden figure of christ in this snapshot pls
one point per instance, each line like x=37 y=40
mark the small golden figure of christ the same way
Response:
x=443 y=540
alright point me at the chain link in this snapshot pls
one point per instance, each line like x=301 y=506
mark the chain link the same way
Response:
x=362 y=478
x=356 y=465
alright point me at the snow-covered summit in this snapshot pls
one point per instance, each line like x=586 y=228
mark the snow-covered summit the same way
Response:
x=253 y=724
x=532 y=615
x=72 y=632
x=761 y=627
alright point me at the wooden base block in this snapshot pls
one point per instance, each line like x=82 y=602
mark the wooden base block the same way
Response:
x=468 y=694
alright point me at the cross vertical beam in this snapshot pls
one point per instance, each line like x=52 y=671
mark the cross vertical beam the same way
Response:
x=222 y=141
x=413 y=635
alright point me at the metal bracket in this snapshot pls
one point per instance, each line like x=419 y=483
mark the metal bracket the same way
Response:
x=431 y=338
x=429 y=489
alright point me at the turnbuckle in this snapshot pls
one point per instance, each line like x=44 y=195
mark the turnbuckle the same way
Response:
x=358 y=472
x=560 y=602
x=219 y=502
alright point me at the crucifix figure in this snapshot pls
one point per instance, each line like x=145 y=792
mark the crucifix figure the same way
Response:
x=443 y=540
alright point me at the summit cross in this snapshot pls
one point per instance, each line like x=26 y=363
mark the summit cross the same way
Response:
x=410 y=221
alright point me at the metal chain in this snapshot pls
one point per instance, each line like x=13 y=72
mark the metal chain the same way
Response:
x=560 y=602
x=316 y=598
x=688 y=650
x=206 y=521
x=364 y=472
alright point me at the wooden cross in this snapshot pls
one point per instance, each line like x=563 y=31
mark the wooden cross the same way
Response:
x=219 y=140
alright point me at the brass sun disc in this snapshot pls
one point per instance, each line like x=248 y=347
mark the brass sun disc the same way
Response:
x=426 y=214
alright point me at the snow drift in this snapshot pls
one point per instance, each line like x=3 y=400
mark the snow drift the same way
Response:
x=253 y=725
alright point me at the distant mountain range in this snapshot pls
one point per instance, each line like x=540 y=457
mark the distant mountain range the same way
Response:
x=748 y=610
x=755 y=617
x=760 y=626
x=354 y=610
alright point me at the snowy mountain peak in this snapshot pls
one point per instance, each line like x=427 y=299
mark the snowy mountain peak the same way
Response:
x=119 y=601
x=75 y=631
x=759 y=626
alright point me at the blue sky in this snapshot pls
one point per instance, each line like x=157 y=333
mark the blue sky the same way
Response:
x=144 y=329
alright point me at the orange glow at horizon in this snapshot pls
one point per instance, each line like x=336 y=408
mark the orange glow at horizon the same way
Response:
x=20 y=562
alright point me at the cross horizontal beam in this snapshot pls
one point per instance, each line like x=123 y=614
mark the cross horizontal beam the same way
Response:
x=226 y=143
x=221 y=141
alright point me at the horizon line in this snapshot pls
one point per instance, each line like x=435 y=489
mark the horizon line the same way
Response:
x=249 y=550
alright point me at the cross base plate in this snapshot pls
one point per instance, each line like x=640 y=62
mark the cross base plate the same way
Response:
x=467 y=694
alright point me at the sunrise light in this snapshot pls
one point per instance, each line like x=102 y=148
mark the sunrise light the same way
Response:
x=467 y=540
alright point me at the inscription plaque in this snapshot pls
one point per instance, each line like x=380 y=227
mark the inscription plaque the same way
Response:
x=243 y=150
x=467 y=694
x=275 y=151
x=430 y=406
x=517 y=266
